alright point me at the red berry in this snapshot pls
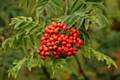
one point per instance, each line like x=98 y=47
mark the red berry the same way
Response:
x=80 y=42
x=52 y=43
x=59 y=39
x=43 y=42
x=50 y=48
x=73 y=30
x=70 y=33
x=65 y=27
x=69 y=53
x=54 y=47
x=64 y=43
x=59 y=48
x=66 y=49
x=46 y=49
x=74 y=41
x=51 y=39
x=71 y=37
x=78 y=45
x=70 y=41
x=61 y=24
x=43 y=38
x=75 y=35
x=54 y=53
x=68 y=45
x=47 y=35
x=52 y=27
x=54 y=24
x=47 y=30
x=67 y=40
x=62 y=36
x=42 y=53
x=66 y=37
x=47 y=53
x=40 y=48
x=56 y=30
x=48 y=44
x=78 y=33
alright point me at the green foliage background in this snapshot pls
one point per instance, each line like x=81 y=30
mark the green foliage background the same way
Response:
x=21 y=26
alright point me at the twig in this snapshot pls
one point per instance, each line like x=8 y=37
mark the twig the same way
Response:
x=47 y=74
x=80 y=68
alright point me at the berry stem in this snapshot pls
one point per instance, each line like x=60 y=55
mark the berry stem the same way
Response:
x=80 y=68
x=47 y=74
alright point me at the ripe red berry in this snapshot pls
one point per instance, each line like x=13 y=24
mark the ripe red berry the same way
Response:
x=61 y=24
x=70 y=33
x=73 y=30
x=80 y=42
x=47 y=30
x=47 y=53
x=75 y=35
x=56 y=30
x=69 y=53
x=74 y=41
x=62 y=35
x=43 y=38
x=68 y=45
x=48 y=44
x=51 y=39
x=66 y=49
x=52 y=43
x=50 y=48
x=54 y=24
x=59 y=39
x=65 y=27
x=59 y=48
x=43 y=42
x=54 y=53
x=40 y=48
x=54 y=47
x=47 y=35
x=46 y=49
x=64 y=42
x=42 y=53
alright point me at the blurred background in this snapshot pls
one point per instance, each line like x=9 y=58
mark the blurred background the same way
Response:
x=107 y=40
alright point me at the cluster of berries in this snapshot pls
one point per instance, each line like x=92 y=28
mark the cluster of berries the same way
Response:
x=58 y=44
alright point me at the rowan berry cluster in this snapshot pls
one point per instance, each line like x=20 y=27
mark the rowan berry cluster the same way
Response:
x=57 y=43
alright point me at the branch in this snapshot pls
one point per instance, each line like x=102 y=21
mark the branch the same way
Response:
x=80 y=68
x=47 y=74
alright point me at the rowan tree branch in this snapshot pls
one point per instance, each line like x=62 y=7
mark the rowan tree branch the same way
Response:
x=80 y=68
x=47 y=74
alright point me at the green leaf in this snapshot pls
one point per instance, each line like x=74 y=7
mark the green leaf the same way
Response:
x=73 y=20
x=87 y=23
x=14 y=70
x=18 y=23
x=73 y=6
x=80 y=22
x=67 y=19
x=91 y=53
